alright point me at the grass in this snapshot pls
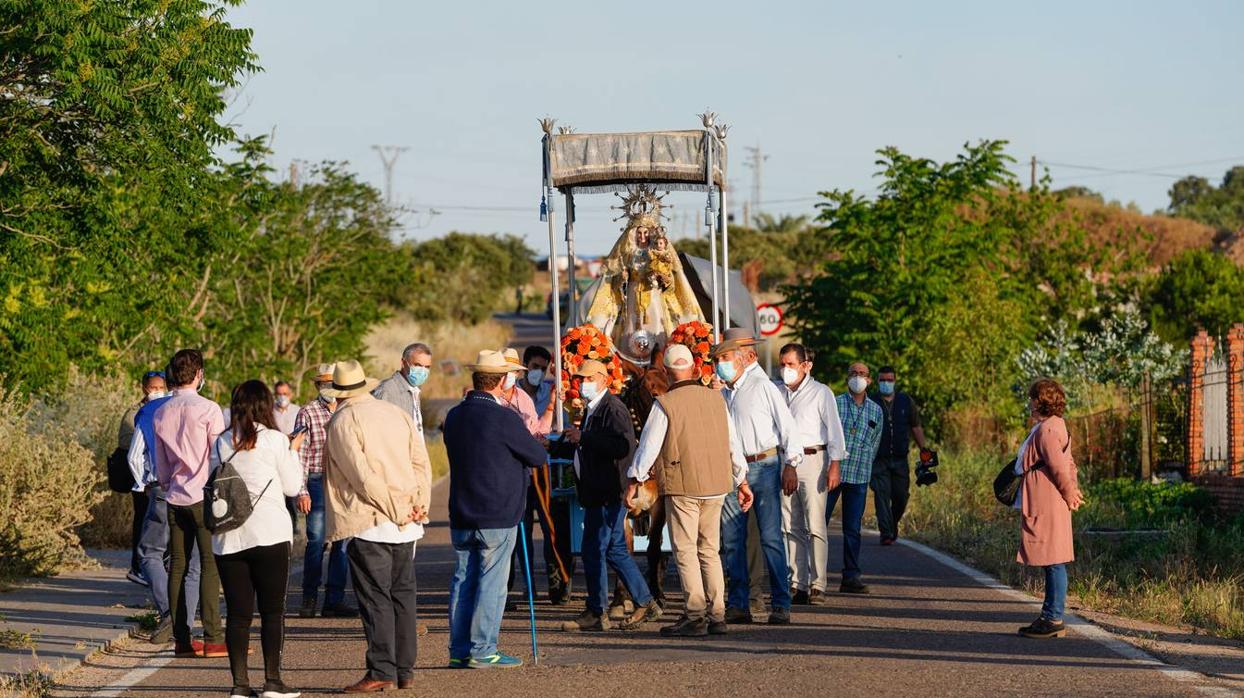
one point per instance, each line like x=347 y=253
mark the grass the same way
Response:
x=147 y=621
x=33 y=684
x=439 y=458
x=453 y=347
x=1187 y=570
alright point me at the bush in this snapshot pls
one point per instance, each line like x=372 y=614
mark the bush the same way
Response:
x=1130 y=504
x=48 y=483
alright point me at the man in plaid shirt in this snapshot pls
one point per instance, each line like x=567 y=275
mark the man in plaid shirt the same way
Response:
x=862 y=421
x=313 y=418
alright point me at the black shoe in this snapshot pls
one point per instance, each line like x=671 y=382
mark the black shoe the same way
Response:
x=718 y=627
x=338 y=610
x=307 y=610
x=738 y=616
x=779 y=616
x=686 y=627
x=163 y=632
x=853 y=586
x=799 y=598
x=1044 y=629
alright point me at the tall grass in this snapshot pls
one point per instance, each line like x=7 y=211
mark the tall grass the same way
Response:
x=449 y=341
x=1170 y=561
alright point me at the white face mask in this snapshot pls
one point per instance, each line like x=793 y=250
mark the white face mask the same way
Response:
x=857 y=384
x=508 y=382
x=155 y=395
x=790 y=376
x=535 y=376
x=282 y=401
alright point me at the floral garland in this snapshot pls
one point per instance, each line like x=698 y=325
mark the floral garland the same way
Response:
x=697 y=336
x=578 y=345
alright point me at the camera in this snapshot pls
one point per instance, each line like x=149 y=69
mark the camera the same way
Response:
x=925 y=473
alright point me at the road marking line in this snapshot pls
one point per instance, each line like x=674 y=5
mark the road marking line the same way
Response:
x=134 y=677
x=1081 y=626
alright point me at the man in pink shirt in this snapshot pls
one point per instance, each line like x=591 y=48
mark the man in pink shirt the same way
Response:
x=186 y=425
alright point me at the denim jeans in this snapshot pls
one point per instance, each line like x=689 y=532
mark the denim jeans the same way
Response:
x=765 y=479
x=1055 y=592
x=477 y=591
x=152 y=551
x=313 y=561
x=604 y=541
x=854 y=497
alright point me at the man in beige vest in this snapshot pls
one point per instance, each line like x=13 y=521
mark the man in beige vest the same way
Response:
x=689 y=443
x=378 y=488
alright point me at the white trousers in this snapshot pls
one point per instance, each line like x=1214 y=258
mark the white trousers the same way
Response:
x=804 y=526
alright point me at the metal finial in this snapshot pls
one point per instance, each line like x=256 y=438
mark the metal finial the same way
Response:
x=707 y=118
x=721 y=131
x=547 y=124
x=565 y=130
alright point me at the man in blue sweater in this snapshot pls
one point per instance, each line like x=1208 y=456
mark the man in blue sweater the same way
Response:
x=490 y=450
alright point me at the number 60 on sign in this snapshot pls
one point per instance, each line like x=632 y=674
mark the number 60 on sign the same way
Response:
x=770 y=319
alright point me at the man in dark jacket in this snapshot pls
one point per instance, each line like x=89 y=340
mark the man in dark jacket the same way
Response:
x=604 y=446
x=490 y=450
x=891 y=477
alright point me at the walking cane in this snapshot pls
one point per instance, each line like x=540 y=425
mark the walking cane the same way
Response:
x=531 y=600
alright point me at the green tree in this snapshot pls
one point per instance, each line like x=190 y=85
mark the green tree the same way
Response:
x=1221 y=206
x=464 y=277
x=1198 y=289
x=108 y=130
x=947 y=258
x=776 y=245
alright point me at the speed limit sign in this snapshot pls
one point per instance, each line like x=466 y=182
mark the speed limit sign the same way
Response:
x=770 y=317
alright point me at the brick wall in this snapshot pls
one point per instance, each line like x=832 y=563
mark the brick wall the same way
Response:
x=1228 y=491
x=1235 y=399
x=1202 y=347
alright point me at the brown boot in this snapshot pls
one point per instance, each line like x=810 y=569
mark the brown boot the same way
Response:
x=588 y=621
x=366 y=685
x=652 y=611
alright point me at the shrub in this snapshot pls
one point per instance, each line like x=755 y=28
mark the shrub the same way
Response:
x=48 y=483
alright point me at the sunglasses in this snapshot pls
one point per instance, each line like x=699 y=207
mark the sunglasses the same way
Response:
x=153 y=374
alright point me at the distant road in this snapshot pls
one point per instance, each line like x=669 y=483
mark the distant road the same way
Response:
x=529 y=328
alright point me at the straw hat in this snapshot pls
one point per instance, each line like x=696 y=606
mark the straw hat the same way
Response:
x=678 y=356
x=349 y=380
x=323 y=373
x=511 y=355
x=590 y=368
x=490 y=361
x=732 y=339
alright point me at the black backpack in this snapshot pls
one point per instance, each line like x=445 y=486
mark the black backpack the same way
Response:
x=227 y=502
x=120 y=479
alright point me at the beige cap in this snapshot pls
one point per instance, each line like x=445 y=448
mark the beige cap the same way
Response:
x=324 y=372
x=349 y=380
x=489 y=361
x=678 y=356
x=590 y=368
x=511 y=355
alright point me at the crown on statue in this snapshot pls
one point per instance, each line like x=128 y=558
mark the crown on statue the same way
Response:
x=641 y=203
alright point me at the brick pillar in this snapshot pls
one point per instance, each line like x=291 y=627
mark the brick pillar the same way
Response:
x=1202 y=345
x=1235 y=399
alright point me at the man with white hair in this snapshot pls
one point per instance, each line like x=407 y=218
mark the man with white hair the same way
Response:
x=402 y=388
x=691 y=444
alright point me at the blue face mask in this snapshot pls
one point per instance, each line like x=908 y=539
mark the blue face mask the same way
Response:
x=417 y=375
x=886 y=387
x=726 y=371
x=590 y=390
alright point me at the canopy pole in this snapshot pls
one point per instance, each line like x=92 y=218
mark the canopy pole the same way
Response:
x=547 y=125
x=725 y=256
x=710 y=219
x=573 y=305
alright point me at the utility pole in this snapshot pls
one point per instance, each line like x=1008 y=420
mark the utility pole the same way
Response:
x=389 y=155
x=1032 y=174
x=755 y=160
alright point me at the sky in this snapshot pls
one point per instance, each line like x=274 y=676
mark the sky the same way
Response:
x=1119 y=96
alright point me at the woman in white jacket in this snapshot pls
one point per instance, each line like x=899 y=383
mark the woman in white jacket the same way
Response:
x=253 y=559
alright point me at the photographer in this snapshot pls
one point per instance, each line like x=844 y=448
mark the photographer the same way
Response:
x=891 y=478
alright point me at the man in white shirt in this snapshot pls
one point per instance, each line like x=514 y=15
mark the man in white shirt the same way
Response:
x=766 y=431
x=691 y=442
x=285 y=412
x=819 y=429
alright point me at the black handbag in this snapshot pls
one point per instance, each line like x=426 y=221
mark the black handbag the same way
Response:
x=1006 y=484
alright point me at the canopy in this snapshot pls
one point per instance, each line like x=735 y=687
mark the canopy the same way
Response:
x=606 y=162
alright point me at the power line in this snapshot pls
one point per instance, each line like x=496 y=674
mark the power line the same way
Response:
x=1141 y=171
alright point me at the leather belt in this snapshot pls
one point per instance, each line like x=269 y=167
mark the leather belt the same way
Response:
x=763 y=455
x=813 y=450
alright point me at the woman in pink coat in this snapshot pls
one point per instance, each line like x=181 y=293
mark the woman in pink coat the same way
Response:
x=1048 y=494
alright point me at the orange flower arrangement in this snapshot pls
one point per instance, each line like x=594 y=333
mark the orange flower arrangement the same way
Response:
x=578 y=345
x=697 y=336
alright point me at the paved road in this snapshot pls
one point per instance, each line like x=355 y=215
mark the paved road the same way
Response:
x=925 y=629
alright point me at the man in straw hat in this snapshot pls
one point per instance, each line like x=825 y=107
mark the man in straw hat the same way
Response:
x=490 y=451
x=691 y=443
x=603 y=449
x=378 y=480
x=766 y=431
x=313 y=419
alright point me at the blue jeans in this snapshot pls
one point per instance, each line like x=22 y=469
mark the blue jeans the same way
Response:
x=313 y=561
x=478 y=588
x=765 y=479
x=1055 y=592
x=604 y=541
x=854 y=497
x=152 y=551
